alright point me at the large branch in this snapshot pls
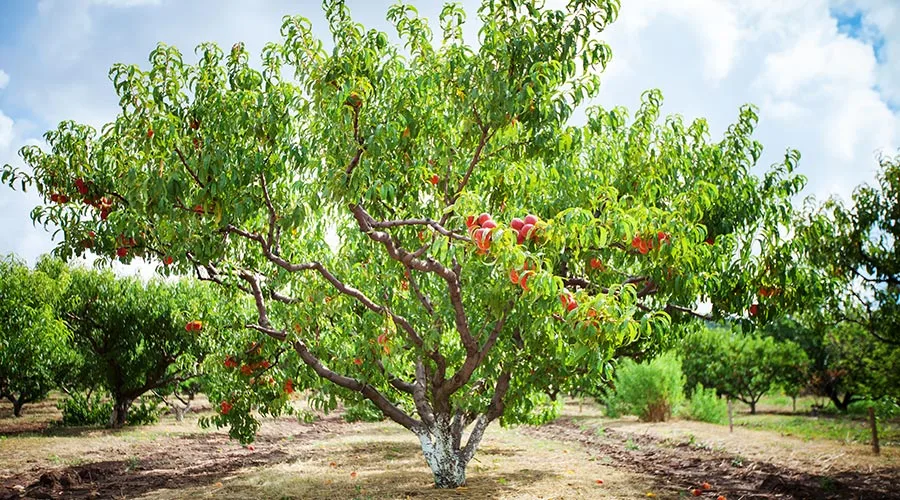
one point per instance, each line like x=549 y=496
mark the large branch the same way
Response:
x=388 y=408
x=495 y=409
x=474 y=360
x=429 y=264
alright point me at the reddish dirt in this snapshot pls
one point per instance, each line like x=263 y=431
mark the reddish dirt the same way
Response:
x=681 y=467
x=175 y=462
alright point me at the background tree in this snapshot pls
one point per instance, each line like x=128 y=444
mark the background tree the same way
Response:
x=846 y=363
x=377 y=205
x=135 y=337
x=859 y=244
x=741 y=366
x=33 y=342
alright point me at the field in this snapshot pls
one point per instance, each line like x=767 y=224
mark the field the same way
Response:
x=581 y=455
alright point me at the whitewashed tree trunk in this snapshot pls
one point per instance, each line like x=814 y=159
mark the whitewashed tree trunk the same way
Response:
x=443 y=452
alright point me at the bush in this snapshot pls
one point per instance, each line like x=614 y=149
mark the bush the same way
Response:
x=84 y=409
x=705 y=406
x=651 y=390
x=363 y=411
x=146 y=412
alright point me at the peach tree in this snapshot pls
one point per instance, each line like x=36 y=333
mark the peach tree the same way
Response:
x=857 y=244
x=422 y=226
x=33 y=341
x=134 y=337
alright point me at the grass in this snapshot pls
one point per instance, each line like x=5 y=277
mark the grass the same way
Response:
x=774 y=413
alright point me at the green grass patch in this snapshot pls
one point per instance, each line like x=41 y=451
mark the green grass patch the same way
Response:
x=844 y=429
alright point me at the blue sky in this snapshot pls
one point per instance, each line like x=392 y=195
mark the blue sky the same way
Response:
x=824 y=73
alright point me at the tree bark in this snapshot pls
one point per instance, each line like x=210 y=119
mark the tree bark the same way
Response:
x=443 y=451
x=873 y=423
x=753 y=407
x=119 y=413
x=17 y=406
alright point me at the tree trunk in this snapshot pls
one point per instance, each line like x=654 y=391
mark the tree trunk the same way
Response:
x=753 y=407
x=119 y=412
x=876 y=447
x=840 y=404
x=17 y=406
x=442 y=450
x=794 y=403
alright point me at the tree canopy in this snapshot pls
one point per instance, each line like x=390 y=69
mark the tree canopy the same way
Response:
x=134 y=337
x=33 y=341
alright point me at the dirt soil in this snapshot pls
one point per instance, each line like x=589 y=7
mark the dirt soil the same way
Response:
x=168 y=461
x=684 y=465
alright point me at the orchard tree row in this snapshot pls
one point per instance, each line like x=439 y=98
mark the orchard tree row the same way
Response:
x=422 y=226
x=81 y=330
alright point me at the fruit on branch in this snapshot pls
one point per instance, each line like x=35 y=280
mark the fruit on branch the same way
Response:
x=230 y=362
x=150 y=133
x=642 y=245
x=531 y=219
x=597 y=265
x=167 y=260
x=225 y=407
x=122 y=252
x=568 y=301
x=516 y=223
x=435 y=179
x=523 y=280
x=663 y=238
x=482 y=219
x=357 y=361
x=754 y=310
x=81 y=186
x=193 y=326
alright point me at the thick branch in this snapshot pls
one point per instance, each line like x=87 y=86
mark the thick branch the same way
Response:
x=389 y=409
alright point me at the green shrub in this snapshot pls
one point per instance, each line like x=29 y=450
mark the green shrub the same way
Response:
x=705 y=406
x=144 y=412
x=362 y=411
x=84 y=409
x=652 y=390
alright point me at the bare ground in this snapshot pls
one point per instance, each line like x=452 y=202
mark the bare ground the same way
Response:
x=326 y=459
x=580 y=455
x=746 y=464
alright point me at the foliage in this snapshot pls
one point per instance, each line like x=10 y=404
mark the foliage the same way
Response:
x=845 y=363
x=858 y=244
x=342 y=188
x=363 y=411
x=84 y=408
x=33 y=342
x=705 y=405
x=741 y=366
x=146 y=412
x=134 y=337
x=652 y=390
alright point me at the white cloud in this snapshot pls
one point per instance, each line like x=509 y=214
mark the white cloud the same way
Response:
x=6 y=131
x=4 y=79
x=819 y=90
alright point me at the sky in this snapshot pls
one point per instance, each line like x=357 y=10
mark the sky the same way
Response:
x=825 y=74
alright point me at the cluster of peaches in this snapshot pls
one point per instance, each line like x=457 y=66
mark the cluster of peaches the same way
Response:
x=481 y=227
x=646 y=243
